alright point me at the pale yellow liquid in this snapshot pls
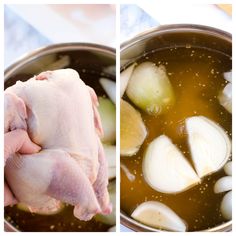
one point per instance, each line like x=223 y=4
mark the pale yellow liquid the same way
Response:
x=196 y=77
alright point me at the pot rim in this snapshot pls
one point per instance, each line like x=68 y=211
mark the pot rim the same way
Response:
x=203 y=29
x=139 y=227
x=8 y=227
x=53 y=48
x=178 y=28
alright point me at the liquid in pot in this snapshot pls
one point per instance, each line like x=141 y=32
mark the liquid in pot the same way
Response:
x=196 y=75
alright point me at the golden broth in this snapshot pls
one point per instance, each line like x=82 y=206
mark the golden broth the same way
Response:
x=196 y=77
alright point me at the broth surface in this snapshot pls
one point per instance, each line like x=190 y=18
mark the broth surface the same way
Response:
x=196 y=75
x=60 y=222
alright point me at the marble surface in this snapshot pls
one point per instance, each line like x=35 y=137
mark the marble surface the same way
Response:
x=30 y=26
x=19 y=37
x=189 y=13
x=134 y=20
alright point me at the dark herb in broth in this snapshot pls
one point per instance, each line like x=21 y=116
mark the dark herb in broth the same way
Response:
x=196 y=75
x=64 y=220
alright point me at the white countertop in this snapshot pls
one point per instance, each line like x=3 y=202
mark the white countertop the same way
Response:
x=28 y=27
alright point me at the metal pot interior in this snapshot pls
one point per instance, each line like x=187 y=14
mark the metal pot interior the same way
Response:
x=168 y=36
x=175 y=36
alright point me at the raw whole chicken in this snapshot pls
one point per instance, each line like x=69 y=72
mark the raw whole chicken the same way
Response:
x=60 y=114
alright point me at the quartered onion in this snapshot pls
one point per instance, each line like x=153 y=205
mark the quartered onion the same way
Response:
x=158 y=215
x=111 y=218
x=225 y=97
x=132 y=129
x=228 y=168
x=226 y=206
x=124 y=78
x=149 y=89
x=110 y=88
x=165 y=168
x=56 y=210
x=107 y=111
x=209 y=144
x=223 y=184
x=110 y=153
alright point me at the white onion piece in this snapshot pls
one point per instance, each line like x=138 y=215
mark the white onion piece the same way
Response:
x=107 y=111
x=52 y=211
x=39 y=65
x=127 y=172
x=223 y=184
x=110 y=88
x=110 y=70
x=132 y=129
x=228 y=76
x=209 y=144
x=158 y=215
x=110 y=153
x=165 y=168
x=124 y=78
x=225 y=97
x=61 y=63
x=111 y=218
x=228 y=168
x=112 y=229
x=226 y=206
x=149 y=89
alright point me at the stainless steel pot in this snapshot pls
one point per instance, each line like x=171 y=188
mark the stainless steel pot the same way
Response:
x=86 y=58
x=89 y=57
x=167 y=36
